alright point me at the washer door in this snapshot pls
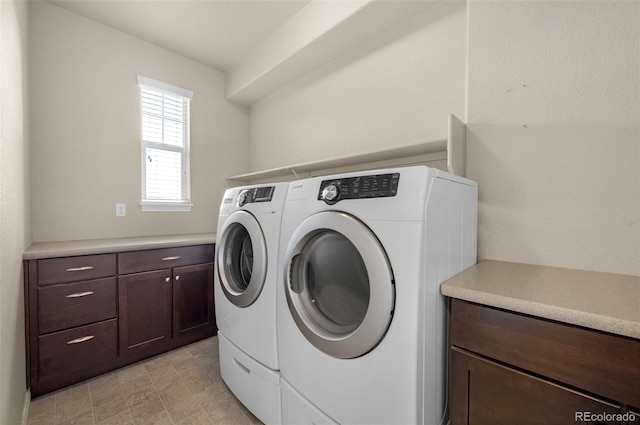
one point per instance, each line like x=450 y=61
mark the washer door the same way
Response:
x=339 y=284
x=242 y=258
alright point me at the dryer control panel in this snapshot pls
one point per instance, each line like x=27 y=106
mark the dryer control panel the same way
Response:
x=372 y=186
x=256 y=194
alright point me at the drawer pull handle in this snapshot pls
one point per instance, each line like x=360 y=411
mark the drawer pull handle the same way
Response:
x=80 y=269
x=171 y=258
x=79 y=294
x=242 y=367
x=81 y=339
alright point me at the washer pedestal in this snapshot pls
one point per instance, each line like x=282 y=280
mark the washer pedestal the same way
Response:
x=298 y=410
x=255 y=384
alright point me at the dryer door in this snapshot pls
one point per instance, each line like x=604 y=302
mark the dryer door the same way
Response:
x=339 y=284
x=241 y=258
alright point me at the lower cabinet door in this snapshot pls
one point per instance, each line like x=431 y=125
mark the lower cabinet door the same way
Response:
x=485 y=392
x=144 y=310
x=193 y=309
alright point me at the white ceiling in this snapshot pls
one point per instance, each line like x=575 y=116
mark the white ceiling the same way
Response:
x=217 y=33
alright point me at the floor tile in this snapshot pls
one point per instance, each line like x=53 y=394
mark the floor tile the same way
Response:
x=160 y=418
x=164 y=378
x=141 y=396
x=217 y=410
x=109 y=404
x=73 y=404
x=41 y=410
x=85 y=418
x=103 y=384
x=123 y=418
x=132 y=372
x=182 y=387
x=137 y=384
x=198 y=418
x=147 y=408
x=183 y=409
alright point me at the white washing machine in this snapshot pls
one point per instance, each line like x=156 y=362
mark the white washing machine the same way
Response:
x=362 y=331
x=245 y=295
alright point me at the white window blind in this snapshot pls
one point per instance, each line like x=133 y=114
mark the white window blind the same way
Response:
x=165 y=146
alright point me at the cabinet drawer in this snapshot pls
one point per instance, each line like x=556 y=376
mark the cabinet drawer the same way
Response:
x=76 y=349
x=597 y=362
x=74 y=269
x=157 y=259
x=75 y=304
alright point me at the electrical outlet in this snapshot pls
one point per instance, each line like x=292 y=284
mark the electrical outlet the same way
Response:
x=121 y=210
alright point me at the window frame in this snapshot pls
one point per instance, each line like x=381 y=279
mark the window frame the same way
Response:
x=166 y=205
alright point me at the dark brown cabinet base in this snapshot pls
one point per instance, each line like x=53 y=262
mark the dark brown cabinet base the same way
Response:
x=509 y=368
x=499 y=395
x=144 y=312
x=192 y=300
x=86 y=315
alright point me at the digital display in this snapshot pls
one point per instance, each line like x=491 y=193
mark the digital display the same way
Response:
x=263 y=194
x=257 y=194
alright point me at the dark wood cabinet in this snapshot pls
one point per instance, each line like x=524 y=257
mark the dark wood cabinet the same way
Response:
x=71 y=319
x=54 y=271
x=499 y=395
x=144 y=312
x=89 y=314
x=160 y=309
x=76 y=353
x=75 y=304
x=509 y=368
x=165 y=299
x=193 y=309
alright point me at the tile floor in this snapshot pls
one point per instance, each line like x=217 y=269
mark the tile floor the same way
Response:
x=182 y=387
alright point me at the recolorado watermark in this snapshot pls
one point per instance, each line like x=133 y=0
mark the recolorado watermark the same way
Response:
x=604 y=417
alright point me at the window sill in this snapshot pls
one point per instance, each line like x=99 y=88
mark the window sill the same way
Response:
x=158 y=206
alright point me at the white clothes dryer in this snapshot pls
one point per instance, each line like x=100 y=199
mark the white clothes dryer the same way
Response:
x=247 y=243
x=362 y=325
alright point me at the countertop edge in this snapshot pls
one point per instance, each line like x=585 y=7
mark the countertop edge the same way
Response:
x=580 y=318
x=40 y=250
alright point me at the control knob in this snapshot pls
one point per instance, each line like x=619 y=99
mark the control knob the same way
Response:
x=242 y=198
x=330 y=193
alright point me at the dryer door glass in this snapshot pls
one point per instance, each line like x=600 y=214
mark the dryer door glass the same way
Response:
x=241 y=259
x=339 y=285
x=238 y=257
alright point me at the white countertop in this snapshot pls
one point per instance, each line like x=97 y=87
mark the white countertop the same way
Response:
x=100 y=246
x=602 y=301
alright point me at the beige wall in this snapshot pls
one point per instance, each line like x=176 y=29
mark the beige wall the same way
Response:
x=552 y=101
x=396 y=89
x=15 y=228
x=86 y=131
x=554 y=132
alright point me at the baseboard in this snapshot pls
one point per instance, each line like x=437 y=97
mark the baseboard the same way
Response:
x=25 y=407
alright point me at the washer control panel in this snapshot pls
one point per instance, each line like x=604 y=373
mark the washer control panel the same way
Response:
x=256 y=194
x=373 y=186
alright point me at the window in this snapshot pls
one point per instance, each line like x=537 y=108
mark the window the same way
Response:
x=165 y=146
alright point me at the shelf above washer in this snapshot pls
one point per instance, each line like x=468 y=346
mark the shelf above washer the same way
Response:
x=452 y=148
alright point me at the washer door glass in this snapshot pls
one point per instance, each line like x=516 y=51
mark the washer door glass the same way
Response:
x=242 y=259
x=340 y=287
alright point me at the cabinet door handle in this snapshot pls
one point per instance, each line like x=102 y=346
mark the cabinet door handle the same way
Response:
x=79 y=294
x=177 y=257
x=79 y=269
x=81 y=339
x=167 y=279
x=178 y=277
